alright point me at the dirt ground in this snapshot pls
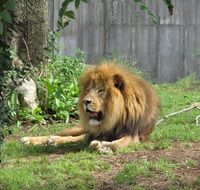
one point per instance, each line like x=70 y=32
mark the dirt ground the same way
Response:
x=186 y=177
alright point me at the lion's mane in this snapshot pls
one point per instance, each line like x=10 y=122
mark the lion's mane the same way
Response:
x=130 y=106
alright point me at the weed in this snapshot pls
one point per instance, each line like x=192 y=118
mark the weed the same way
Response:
x=190 y=163
x=197 y=182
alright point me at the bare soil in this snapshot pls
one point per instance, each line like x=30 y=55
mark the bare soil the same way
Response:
x=185 y=177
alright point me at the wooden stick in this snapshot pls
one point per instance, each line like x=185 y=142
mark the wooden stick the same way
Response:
x=193 y=106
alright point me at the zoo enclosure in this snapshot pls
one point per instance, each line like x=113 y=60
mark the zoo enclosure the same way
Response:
x=165 y=53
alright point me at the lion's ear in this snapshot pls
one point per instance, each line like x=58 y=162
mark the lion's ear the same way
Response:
x=119 y=82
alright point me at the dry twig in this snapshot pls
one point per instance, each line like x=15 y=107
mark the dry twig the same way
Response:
x=193 y=106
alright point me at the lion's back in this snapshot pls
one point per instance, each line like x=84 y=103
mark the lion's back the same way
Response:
x=142 y=105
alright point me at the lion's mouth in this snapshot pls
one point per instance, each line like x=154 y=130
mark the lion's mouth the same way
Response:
x=95 y=115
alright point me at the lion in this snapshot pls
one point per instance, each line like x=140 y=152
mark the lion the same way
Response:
x=116 y=109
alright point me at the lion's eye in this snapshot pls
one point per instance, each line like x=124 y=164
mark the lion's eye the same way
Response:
x=101 y=91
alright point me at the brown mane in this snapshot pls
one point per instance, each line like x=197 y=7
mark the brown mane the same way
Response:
x=135 y=114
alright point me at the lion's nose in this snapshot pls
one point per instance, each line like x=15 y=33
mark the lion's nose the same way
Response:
x=86 y=102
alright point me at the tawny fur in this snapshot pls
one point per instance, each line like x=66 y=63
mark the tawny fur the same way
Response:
x=129 y=102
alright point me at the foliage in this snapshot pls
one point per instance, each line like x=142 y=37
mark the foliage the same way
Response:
x=60 y=85
x=31 y=115
x=57 y=91
x=145 y=8
x=5 y=17
x=66 y=15
x=152 y=16
x=169 y=5
x=6 y=6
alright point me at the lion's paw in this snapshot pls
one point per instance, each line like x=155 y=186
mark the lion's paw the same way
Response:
x=95 y=144
x=53 y=140
x=100 y=147
x=105 y=150
x=110 y=145
x=25 y=140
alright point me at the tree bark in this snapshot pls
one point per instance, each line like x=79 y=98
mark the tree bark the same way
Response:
x=27 y=35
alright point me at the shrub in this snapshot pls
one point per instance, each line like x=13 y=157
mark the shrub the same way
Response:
x=60 y=86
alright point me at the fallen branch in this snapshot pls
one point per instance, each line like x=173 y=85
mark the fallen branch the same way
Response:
x=197 y=120
x=193 y=106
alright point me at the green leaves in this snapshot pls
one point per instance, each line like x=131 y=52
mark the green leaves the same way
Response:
x=145 y=8
x=61 y=85
x=10 y=5
x=70 y=14
x=153 y=18
x=5 y=16
x=169 y=5
x=66 y=15
x=77 y=3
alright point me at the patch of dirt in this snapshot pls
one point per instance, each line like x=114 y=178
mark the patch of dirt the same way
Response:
x=184 y=176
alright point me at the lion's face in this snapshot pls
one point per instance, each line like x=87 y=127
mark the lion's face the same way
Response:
x=94 y=104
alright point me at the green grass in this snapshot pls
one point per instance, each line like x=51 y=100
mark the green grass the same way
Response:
x=58 y=171
x=145 y=168
x=43 y=173
x=72 y=166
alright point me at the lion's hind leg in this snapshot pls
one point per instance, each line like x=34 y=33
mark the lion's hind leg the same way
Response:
x=73 y=134
x=51 y=140
x=74 y=131
x=57 y=140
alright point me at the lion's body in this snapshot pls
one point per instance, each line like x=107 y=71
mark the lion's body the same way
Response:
x=129 y=104
x=116 y=108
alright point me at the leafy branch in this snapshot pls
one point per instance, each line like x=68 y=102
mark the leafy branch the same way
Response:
x=66 y=15
x=146 y=9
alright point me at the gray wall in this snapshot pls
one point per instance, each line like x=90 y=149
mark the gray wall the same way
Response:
x=103 y=27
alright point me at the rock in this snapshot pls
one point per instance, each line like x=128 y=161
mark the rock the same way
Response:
x=28 y=94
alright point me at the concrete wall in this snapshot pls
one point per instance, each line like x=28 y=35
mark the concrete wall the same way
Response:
x=165 y=53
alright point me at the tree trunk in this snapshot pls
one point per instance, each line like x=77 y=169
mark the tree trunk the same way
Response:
x=27 y=35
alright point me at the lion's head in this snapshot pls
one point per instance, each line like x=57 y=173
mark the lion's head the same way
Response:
x=101 y=103
x=111 y=96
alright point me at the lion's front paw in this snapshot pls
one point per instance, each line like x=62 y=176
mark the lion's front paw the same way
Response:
x=100 y=147
x=110 y=145
x=95 y=144
x=53 y=140
x=105 y=150
x=25 y=140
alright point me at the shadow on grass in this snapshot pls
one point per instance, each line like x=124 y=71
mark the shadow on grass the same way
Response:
x=32 y=150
